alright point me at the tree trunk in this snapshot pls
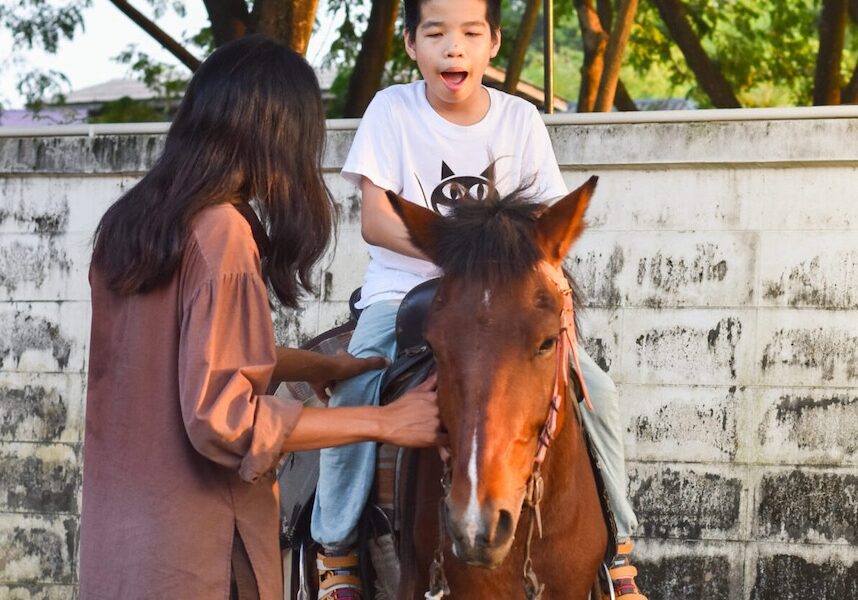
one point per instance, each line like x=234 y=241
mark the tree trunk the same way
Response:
x=832 y=29
x=375 y=48
x=606 y=13
x=853 y=10
x=623 y=100
x=705 y=69
x=614 y=55
x=290 y=21
x=595 y=42
x=229 y=19
x=849 y=95
x=519 y=49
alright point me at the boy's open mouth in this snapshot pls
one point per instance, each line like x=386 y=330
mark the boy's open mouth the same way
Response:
x=454 y=79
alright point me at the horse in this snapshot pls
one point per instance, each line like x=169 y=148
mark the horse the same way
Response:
x=501 y=331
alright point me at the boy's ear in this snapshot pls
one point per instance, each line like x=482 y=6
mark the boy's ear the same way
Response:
x=496 y=42
x=409 y=45
x=421 y=223
x=562 y=223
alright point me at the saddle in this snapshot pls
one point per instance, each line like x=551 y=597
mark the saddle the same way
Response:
x=298 y=473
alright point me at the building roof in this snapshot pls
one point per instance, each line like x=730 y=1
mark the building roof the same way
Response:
x=495 y=77
x=21 y=117
x=111 y=90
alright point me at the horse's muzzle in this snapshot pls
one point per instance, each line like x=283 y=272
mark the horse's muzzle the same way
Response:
x=482 y=539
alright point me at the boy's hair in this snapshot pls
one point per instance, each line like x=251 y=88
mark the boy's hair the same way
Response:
x=412 y=15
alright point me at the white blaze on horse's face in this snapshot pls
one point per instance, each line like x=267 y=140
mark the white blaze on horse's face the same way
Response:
x=494 y=389
x=472 y=513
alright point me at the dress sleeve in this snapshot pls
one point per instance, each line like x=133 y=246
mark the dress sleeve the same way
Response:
x=375 y=151
x=226 y=360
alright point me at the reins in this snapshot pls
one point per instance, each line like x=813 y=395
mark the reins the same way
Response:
x=535 y=487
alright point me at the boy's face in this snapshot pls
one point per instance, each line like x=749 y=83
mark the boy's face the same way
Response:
x=452 y=46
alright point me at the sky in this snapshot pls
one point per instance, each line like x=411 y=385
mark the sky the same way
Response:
x=87 y=59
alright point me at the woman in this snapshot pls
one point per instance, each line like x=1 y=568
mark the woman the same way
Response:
x=179 y=496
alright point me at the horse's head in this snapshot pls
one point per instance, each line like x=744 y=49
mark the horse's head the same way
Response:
x=494 y=327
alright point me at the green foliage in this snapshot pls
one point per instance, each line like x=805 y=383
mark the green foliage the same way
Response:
x=165 y=80
x=35 y=23
x=766 y=49
x=568 y=53
x=38 y=85
x=127 y=110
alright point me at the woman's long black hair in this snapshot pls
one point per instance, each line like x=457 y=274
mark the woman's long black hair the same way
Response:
x=250 y=128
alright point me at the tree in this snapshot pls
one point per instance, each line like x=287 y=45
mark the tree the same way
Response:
x=708 y=74
x=37 y=23
x=609 y=52
x=749 y=52
x=832 y=29
x=376 y=46
x=523 y=36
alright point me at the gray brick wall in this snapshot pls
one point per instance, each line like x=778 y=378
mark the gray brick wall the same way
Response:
x=720 y=276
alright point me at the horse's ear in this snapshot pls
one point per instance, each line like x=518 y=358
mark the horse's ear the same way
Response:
x=563 y=222
x=420 y=222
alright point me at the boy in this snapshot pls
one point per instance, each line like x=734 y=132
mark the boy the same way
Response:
x=431 y=141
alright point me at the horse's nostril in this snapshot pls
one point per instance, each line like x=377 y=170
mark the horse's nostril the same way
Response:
x=504 y=529
x=500 y=533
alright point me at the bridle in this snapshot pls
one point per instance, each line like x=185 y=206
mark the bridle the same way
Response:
x=535 y=487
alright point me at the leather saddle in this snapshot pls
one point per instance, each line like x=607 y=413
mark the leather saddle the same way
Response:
x=298 y=473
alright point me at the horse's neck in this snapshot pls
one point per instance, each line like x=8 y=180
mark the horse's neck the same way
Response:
x=567 y=466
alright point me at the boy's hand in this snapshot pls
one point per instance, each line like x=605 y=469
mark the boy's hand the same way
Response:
x=413 y=421
x=345 y=366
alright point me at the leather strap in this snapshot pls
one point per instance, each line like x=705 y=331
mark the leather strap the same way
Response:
x=335 y=580
x=260 y=236
x=625 y=572
x=337 y=562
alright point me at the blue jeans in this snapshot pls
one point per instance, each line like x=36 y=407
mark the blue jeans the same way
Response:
x=346 y=473
x=606 y=430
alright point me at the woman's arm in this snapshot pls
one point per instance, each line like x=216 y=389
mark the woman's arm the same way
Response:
x=412 y=421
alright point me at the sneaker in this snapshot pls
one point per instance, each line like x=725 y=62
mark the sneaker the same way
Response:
x=339 y=577
x=623 y=574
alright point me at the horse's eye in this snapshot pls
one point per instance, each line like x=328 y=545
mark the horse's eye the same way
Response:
x=547 y=345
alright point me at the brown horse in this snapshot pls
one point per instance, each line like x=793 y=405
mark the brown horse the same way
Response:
x=496 y=327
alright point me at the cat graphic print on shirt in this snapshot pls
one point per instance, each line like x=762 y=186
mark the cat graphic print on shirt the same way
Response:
x=403 y=145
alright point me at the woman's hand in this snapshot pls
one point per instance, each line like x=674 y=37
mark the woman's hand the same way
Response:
x=413 y=420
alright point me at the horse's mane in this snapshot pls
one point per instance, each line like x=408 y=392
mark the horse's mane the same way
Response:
x=490 y=238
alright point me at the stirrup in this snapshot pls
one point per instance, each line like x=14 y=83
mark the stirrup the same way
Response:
x=622 y=574
x=338 y=579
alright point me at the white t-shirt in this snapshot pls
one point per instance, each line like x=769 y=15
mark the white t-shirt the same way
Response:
x=403 y=145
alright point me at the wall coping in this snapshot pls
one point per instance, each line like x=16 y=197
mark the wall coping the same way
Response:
x=612 y=118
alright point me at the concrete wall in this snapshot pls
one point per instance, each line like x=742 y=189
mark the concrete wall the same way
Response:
x=721 y=271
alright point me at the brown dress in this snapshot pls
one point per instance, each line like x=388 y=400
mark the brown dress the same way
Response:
x=180 y=440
